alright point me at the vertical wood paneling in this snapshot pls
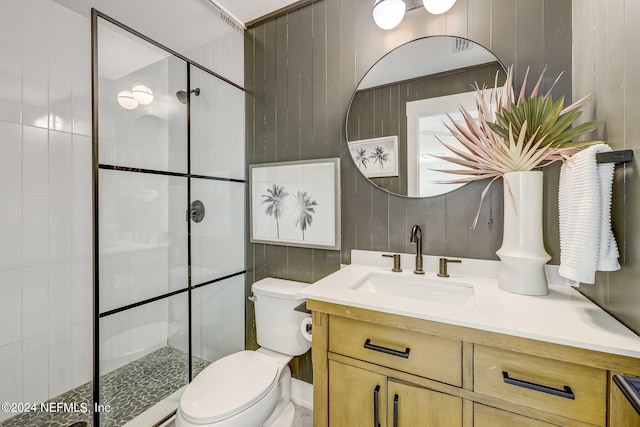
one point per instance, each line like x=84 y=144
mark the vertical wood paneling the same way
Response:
x=318 y=76
x=584 y=56
x=268 y=83
x=298 y=262
x=252 y=262
x=557 y=41
x=606 y=61
x=496 y=216
x=362 y=222
x=398 y=231
x=281 y=85
x=310 y=62
x=436 y=218
x=456 y=20
x=551 y=219
x=456 y=227
x=529 y=39
x=305 y=81
x=479 y=28
x=625 y=294
x=379 y=219
x=503 y=31
x=479 y=239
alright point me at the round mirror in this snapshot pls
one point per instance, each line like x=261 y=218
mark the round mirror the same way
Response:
x=398 y=111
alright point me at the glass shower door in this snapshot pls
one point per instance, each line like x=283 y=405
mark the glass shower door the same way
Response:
x=143 y=187
x=217 y=242
x=170 y=179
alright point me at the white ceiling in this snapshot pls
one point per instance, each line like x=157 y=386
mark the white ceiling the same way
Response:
x=250 y=10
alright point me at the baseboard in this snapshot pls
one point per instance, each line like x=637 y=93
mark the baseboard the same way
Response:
x=302 y=393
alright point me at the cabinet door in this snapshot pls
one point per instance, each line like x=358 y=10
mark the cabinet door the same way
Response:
x=412 y=406
x=486 y=416
x=357 y=398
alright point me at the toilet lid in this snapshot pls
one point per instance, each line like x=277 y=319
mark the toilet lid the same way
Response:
x=229 y=386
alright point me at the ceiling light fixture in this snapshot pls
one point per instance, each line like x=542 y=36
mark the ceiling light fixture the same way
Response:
x=388 y=14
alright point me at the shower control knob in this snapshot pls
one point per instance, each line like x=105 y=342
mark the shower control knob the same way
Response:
x=196 y=212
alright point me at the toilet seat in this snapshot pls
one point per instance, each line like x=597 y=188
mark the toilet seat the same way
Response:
x=229 y=386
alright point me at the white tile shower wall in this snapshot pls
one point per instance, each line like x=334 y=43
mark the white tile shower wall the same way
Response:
x=217 y=320
x=137 y=232
x=45 y=95
x=144 y=137
x=45 y=194
x=217 y=128
x=134 y=333
x=217 y=243
x=224 y=54
x=11 y=375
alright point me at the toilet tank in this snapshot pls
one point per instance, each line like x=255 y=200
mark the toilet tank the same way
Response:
x=277 y=323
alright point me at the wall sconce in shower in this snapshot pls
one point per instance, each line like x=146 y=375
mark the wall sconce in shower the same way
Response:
x=142 y=94
x=387 y=14
x=138 y=95
x=126 y=100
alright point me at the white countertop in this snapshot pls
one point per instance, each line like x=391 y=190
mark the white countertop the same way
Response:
x=564 y=316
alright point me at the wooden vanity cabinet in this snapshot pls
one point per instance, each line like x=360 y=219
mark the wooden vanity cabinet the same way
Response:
x=359 y=397
x=486 y=416
x=409 y=405
x=372 y=367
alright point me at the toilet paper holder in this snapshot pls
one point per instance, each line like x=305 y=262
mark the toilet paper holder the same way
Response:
x=306 y=328
x=303 y=308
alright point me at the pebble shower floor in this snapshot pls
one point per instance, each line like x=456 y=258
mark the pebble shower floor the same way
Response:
x=129 y=391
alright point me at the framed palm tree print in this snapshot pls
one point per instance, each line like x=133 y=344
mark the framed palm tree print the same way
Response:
x=296 y=203
x=376 y=157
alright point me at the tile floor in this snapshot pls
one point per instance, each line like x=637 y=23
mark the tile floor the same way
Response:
x=129 y=391
x=303 y=418
x=153 y=377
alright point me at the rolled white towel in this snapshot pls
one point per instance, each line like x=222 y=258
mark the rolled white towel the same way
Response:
x=587 y=242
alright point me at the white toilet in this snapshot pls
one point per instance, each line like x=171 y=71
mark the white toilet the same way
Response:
x=252 y=388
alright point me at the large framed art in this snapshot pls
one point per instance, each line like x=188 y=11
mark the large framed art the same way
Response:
x=296 y=203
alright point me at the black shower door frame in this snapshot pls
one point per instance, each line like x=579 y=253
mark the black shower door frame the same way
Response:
x=97 y=166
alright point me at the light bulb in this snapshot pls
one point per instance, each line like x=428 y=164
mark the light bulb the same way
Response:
x=387 y=14
x=437 y=7
x=126 y=100
x=142 y=94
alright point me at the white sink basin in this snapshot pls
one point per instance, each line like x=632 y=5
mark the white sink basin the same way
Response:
x=445 y=291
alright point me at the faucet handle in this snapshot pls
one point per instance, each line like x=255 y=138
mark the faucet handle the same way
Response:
x=396 y=262
x=442 y=266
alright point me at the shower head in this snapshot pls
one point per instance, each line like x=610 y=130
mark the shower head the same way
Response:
x=182 y=95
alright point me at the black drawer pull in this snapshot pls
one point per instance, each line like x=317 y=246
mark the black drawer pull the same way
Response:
x=395 y=411
x=376 y=391
x=369 y=346
x=567 y=393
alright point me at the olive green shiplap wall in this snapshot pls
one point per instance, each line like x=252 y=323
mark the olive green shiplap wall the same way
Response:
x=301 y=70
x=606 y=62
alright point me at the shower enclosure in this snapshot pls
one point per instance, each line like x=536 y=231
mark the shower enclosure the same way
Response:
x=169 y=218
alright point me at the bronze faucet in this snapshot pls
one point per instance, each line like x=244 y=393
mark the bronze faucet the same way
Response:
x=416 y=238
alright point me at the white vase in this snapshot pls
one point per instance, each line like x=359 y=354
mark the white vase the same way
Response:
x=522 y=253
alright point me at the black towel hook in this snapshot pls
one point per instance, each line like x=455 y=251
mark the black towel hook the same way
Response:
x=617 y=157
